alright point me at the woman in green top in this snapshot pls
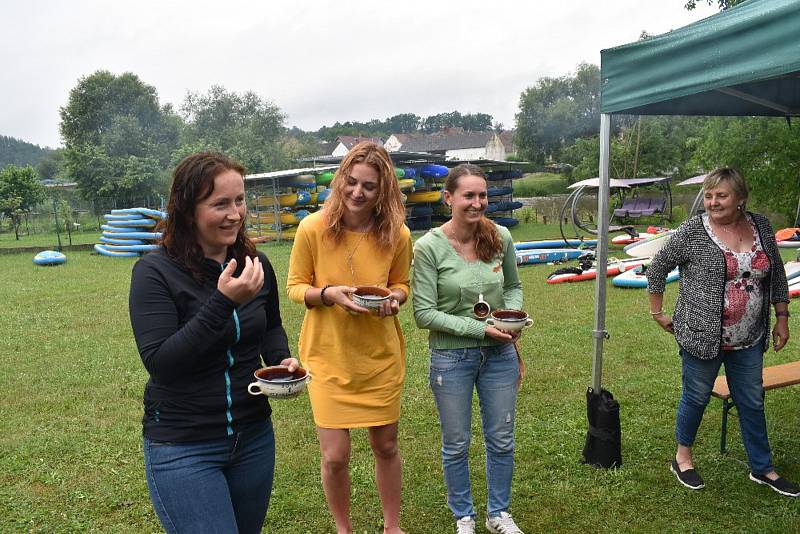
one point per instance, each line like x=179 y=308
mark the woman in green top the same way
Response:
x=460 y=270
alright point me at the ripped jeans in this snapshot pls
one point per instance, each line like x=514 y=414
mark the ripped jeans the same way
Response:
x=493 y=371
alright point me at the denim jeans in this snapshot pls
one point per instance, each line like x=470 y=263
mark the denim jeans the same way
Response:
x=743 y=371
x=215 y=486
x=493 y=371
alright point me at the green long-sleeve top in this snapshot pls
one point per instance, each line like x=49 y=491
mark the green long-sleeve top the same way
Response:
x=445 y=287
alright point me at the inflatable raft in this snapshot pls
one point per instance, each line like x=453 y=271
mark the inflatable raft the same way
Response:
x=48 y=258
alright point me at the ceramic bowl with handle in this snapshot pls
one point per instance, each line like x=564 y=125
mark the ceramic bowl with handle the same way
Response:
x=277 y=382
x=509 y=320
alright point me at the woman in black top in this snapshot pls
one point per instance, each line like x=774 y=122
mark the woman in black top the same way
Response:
x=204 y=311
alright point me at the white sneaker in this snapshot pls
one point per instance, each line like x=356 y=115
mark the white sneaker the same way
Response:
x=465 y=525
x=502 y=524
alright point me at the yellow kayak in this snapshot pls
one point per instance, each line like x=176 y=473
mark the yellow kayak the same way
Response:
x=424 y=196
x=406 y=184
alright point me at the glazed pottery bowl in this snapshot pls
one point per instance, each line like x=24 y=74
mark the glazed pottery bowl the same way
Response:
x=277 y=382
x=371 y=297
x=509 y=320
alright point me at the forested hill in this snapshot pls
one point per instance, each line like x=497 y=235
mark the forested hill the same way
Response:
x=17 y=152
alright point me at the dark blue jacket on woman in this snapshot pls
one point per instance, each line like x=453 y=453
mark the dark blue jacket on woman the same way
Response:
x=201 y=349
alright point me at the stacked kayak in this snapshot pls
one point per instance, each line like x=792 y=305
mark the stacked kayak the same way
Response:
x=128 y=233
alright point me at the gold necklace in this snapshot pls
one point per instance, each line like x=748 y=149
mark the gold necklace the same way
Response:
x=735 y=232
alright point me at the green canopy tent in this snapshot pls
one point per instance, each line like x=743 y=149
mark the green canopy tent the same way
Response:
x=743 y=61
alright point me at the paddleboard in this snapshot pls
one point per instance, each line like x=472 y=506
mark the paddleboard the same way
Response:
x=112 y=241
x=132 y=235
x=147 y=212
x=420 y=211
x=400 y=173
x=495 y=176
x=286 y=217
x=303 y=181
x=636 y=277
x=614 y=268
x=133 y=223
x=789 y=244
x=554 y=243
x=409 y=172
x=48 y=258
x=546 y=255
x=792 y=269
x=648 y=247
x=101 y=249
x=505 y=205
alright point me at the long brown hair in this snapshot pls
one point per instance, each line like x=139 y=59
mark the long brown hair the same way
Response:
x=488 y=243
x=389 y=213
x=192 y=182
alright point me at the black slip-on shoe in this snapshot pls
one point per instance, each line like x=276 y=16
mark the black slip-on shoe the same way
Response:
x=780 y=484
x=689 y=478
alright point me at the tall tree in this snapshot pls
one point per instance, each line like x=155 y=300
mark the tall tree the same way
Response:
x=244 y=126
x=20 y=191
x=20 y=153
x=765 y=149
x=556 y=111
x=118 y=139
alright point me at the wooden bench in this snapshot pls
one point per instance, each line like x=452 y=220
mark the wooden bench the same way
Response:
x=774 y=377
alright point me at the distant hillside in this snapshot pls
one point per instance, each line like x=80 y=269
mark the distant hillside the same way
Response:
x=17 y=152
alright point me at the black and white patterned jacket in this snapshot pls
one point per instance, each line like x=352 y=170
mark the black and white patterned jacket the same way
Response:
x=698 y=311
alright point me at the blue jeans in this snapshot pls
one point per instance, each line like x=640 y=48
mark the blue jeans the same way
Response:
x=743 y=371
x=493 y=371
x=215 y=486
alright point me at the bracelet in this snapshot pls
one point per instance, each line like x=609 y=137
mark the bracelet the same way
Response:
x=782 y=313
x=322 y=296
x=659 y=312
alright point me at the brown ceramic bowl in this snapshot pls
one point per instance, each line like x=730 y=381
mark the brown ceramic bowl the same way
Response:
x=509 y=320
x=278 y=383
x=371 y=297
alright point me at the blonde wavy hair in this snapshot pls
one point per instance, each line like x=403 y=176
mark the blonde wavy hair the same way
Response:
x=389 y=213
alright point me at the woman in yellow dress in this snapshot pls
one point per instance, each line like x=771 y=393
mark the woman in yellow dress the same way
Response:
x=356 y=358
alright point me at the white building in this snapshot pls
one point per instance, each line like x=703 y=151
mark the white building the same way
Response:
x=452 y=143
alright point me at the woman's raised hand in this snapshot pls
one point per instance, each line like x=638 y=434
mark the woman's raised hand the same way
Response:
x=247 y=285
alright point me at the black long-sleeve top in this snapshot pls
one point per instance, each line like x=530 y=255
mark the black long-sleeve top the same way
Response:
x=201 y=349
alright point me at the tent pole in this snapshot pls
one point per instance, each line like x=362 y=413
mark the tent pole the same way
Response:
x=599 y=333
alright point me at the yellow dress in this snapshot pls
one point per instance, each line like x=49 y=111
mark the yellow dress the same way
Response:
x=357 y=362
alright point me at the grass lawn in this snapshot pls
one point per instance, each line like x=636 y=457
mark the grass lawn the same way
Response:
x=71 y=405
x=540 y=184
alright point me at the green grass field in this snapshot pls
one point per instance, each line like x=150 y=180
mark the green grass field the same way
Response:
x=540 y=184
x=71 y=405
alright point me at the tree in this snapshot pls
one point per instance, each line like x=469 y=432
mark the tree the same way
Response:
x=723 y=4
x=51 y=167
x=118 y=139
x=765 y=149
x=20 y=191
x=556 y=111
x=244 y=126
x=17 y=152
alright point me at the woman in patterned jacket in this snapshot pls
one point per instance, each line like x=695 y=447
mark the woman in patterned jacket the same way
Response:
x=731 y=272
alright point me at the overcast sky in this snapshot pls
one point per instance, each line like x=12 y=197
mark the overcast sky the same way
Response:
x=319 y=61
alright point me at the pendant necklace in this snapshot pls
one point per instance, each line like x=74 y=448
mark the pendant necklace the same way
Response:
x=735 y=233
x=352 y=253
x=481 y=308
